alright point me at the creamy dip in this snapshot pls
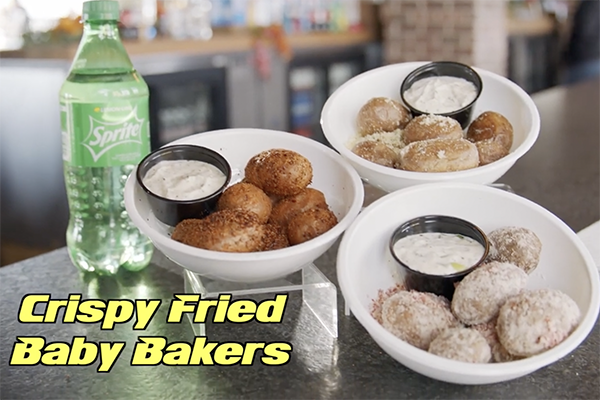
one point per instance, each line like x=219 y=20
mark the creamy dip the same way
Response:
x=184 y=179
x=438 y=253
x=440 y=94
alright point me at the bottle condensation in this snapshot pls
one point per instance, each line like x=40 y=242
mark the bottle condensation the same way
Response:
x=105 y=133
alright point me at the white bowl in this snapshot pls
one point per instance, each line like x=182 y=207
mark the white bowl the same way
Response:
x=338 y=120
x=365 y=266
x=332 y=175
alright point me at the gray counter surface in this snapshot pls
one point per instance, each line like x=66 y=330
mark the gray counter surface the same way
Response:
x=560 y=173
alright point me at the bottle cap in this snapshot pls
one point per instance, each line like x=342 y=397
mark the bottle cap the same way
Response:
x=100 y=10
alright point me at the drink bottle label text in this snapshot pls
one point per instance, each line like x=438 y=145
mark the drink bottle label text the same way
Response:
x=100 y=135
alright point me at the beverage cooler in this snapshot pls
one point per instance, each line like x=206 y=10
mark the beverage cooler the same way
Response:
x=186 y=102
x=313 y=77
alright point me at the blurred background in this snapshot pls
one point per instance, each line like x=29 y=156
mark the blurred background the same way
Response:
x=213 y=64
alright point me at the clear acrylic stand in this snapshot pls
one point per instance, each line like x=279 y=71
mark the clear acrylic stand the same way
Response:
x=319 y=294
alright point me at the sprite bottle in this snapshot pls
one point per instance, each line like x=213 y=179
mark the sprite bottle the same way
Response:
x=105 y=133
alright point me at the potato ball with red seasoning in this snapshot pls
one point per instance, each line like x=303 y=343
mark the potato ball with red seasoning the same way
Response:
x=461 y=344
x=417 y=317
x=516 y=245
x=499 y=353
x=536 y=320
x=479 y=296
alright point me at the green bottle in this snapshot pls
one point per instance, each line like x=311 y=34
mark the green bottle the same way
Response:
x=105 y=133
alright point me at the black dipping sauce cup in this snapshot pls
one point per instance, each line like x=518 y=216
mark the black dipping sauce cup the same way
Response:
x=445 y=68
x=439 y=284
x=171 y=212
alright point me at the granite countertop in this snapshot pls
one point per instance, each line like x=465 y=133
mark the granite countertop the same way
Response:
x=560 y=173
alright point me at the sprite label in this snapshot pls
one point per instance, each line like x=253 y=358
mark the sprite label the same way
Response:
x=105 y=135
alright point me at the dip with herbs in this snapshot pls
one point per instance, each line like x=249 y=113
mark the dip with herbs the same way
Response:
x=440 y=94
x=184 y=179
x=438 y=253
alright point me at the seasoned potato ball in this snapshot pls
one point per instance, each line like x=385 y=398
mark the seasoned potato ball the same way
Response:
x=376 y=152
x=492 y=133
x=461 y=344
x=516 y=245
x=310 y=224
x=426 y=127
x=489 y=151
x=479 y=296
x=274 y=238
x=274 y=199
x=287 y=208
x=279 y=172
x=439 y=155
x=499 y=353
x=246 y=196
x=417 y=317
x=536 y=320
x=381 y=114
x=235 y=231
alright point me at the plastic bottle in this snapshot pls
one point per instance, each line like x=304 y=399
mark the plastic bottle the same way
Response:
x=105 y=132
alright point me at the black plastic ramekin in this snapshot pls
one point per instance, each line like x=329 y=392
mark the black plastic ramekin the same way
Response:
x=445 y=68
x=438 y=284
x=169 y=211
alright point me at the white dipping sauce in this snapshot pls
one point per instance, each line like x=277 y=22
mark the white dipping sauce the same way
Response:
x=438 y=253
x=184 y=179
x=440 y=94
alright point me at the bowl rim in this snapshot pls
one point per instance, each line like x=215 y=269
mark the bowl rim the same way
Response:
x=414 y=73
x=163 y=241
x=216 y=193
x=436 y=363
x=457 y=274
x=505 y=162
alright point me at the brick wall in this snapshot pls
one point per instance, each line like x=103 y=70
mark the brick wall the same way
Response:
x=468 y=31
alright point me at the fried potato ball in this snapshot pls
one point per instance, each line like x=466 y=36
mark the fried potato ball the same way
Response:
x=499 y=353
x=246 y=196
x=536 y=320
x=461 y=344
x=274 y=238
x=274 y=199
x=492 y=133
x=517 y=245
x=279 y=172
x=479 y=296
x=381 y=114
x=310 y=224
x=236 y=231
x=425 y=127
x=439 y=155
x=489 y=151
x=377 y=153
x=288 y=207
x=417 y=317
